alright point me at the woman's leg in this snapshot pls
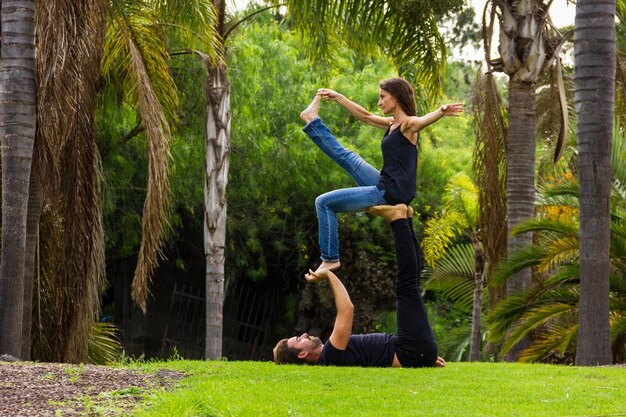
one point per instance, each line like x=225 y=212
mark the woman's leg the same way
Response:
x=362 y=172
x=345 y=200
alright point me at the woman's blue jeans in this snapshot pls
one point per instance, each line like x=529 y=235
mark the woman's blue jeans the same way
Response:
x=345 y=200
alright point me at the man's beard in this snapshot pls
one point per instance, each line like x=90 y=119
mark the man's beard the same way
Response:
x=316 y=341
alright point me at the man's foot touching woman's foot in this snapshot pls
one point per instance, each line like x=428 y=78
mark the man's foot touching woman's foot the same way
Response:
x=391 y=213
x=311 y=112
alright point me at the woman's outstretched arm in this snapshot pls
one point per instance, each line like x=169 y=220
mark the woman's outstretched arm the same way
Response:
x=355 y=109
x=416 y=123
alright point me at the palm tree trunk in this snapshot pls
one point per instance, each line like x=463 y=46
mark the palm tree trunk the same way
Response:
x=594 y=81
x=35 y=203
x=477 y=307
x=217 y=161
x=520 y=181
x=18 y=99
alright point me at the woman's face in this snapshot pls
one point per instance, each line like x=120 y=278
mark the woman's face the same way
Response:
x=386 y=101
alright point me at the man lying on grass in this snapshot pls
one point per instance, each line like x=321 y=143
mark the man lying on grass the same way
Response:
x=413 y=347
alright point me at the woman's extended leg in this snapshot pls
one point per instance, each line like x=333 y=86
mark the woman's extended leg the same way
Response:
x=339 y=201
x=362 y=172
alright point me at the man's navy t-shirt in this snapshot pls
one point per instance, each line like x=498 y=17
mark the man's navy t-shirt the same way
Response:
x=374 y=349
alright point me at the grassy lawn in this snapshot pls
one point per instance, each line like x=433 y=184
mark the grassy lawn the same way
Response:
x=218 y=388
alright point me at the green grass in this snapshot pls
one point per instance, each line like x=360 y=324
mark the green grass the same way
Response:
x=219 y=388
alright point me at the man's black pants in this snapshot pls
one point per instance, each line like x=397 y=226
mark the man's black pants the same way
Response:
x=415 y=345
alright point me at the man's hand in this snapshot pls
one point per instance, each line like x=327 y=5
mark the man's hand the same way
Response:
x=318 y=276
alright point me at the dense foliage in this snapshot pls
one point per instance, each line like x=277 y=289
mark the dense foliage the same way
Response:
x=275 y=175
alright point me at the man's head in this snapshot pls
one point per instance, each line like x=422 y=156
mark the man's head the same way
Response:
x=298 y=350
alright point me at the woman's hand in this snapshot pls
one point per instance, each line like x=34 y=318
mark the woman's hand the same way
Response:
x=328 y=94
x=454 y=109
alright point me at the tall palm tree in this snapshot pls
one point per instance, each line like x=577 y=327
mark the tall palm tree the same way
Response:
x=527 y=45
x=551 y=308
x=594 y=80
x=18 y=98
x=408 y=34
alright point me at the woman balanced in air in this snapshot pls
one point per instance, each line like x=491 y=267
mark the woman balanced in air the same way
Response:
x=395 y=183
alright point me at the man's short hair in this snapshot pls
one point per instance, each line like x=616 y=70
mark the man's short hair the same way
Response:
x=283 y=354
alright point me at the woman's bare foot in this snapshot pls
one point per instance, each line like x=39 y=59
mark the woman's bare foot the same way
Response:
x=330 y=266
x=316 y=276
x=409 y=212
x=390 y=213
x=311 y=112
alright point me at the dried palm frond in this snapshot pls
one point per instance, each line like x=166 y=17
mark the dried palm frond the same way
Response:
x=490 y=172
x=70 y=43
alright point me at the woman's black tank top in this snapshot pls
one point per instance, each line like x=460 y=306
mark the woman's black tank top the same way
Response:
x=397 y=177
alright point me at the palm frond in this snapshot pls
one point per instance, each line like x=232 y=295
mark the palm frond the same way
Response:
x=565 y=229
x=505 y=314
x=618 y=325
x=534 y=318
x=104 y=346
x=461 y=196
x=489 y=171
x=135 y=53
x=455 y=346
x=439 y=233
x=453 y=275
x=618 y=167
x=524 y=257
x=138 y=54
x=409 y=29
x=564 y=274
x=557 y=340
x=194 y=23
x=562 y=194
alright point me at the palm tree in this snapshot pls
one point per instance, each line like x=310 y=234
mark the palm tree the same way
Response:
x=528 y=44
x=551 y=308
x=595 y=55
x=18 y=98
x=73 y=38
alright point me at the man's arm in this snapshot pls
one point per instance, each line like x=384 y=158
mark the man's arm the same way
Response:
x=345 y=310
x=355 y=109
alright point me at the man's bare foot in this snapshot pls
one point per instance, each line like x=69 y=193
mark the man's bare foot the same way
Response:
x=409 y=212
x=311 y=112
x=440 y=362
x=389 y=213
x=330 y=266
